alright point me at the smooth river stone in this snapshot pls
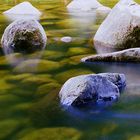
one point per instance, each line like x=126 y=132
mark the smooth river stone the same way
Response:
x=24 y=36
x=128 y=55
x=81 y=90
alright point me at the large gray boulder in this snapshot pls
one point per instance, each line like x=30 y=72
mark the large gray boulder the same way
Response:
x=83 y=89
x=128 y=55
x=121 y=29
x=23 y=36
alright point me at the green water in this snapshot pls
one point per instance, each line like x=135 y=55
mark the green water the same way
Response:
x=29 y=103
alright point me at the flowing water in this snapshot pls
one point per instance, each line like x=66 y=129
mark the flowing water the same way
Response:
x=29 y=103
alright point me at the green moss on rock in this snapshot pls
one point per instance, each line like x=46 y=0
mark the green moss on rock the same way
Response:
x=7 y=127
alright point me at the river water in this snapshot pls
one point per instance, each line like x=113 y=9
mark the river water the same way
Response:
x=29 y=103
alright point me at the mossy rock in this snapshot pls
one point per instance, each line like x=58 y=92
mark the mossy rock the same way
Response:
x=24 y=36
x=3 y=61
x=53 y=55
x=78 y=51
x=5 y=86
x=135 y=137
x=7 y=127
x=47 y=88
x=60 y=133
x=36 y=66
x=74 y=60
x=8 y=100
x=37 y=79
x=18 y=77
x=63 y=76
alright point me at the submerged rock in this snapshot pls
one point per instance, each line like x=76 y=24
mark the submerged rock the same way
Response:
x=22 y=11
x=24 y=36
x=84 y=89
x=55 y=133
x=128 y=55
x=86 y=5
x=124 y=29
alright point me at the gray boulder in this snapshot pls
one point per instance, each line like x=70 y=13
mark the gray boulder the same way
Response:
x=128 y=55
x=121 y=29
x=84 y=89
x=23 y=36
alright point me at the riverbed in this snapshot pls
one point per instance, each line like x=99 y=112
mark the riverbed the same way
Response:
x=29 y=103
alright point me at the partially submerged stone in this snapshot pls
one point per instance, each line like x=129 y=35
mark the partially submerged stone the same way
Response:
x=24 y=36
x=66 y=39
x=84 y=5
x=84 y=89
x=124 y=29
x=86 y=12
x=128 y=55
x=22 y=11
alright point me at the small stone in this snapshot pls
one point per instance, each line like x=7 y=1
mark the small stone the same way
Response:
x=24 y=36
x=66 y=39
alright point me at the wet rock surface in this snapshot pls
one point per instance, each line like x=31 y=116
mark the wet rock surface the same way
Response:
x=128 y=55
x=23 y=36
x=84 y=89
x=123 y=30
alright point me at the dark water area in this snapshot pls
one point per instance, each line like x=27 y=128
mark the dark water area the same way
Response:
x=29 y=103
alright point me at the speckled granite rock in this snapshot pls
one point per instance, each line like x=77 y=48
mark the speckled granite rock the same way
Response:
x=83 y=89
x=128 y=55
x=24 y=36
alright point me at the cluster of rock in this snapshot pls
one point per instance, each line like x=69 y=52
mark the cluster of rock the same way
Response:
x=119 y=31
x=25 y=34
x=121 y=34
